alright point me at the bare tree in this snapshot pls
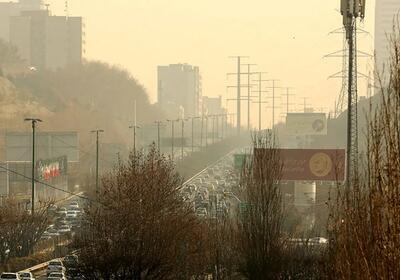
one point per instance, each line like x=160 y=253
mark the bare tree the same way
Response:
x=141 y=228
x=260 y=241
x=19 y=230
x=365 y=217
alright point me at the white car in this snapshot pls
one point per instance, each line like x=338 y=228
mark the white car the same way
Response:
x=73 y=205
x=9 y=275
x=62 y=211
x=57 y=276
x=72 y=214
x=64 y=229
x=26 y=275
x=55 y=266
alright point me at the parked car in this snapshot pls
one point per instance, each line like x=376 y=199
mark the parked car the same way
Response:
x=71 y=214
x=9 y=275
x=26 y=275
x=55 y=266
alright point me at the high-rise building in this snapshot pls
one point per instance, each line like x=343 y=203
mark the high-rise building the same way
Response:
x=10 y=9
x=46 y=41
x=385 y=15
x=212 y=106
x=179 y=90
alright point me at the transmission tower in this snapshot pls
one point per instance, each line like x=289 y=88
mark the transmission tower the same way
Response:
x=351 y=11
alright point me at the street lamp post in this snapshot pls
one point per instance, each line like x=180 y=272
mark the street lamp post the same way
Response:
x=158 y=134
x=193 y=118
x=134 y=136
x=172 y=137
x=33 y=121
x=97 y=131
x=183 y=124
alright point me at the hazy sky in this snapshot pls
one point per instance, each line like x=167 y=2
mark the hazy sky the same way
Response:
x=287 y=38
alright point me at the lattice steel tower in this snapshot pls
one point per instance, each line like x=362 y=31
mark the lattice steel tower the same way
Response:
x=352 y=10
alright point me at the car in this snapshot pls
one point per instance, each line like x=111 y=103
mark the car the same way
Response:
x=55 y=266
x=73 y=205
x=201 y=212
x=64 y=229
x=62 y=211
x=52 y=232
x=71 y=214
x=26 y=275
x=57 y=275
x=9 y=275
x=71 y=260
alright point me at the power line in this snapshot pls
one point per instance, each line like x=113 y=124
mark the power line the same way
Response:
x=44 y=183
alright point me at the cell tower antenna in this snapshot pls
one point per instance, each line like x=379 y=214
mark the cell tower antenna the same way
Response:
x=352 y=10
x=66 y=10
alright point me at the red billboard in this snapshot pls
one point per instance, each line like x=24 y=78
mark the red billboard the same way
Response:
x=313 y=164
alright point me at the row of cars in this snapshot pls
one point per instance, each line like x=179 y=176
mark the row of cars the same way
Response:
x=207 y=191
x=24 y=275
x=66 y=219
x=64 y=269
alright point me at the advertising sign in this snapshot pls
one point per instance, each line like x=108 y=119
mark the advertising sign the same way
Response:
x=312 y=164
x=306 y=124
x=52 y=168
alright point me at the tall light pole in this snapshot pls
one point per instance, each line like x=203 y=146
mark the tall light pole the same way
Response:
x=97 y=131
x=172 y=137
x=158 y=134
x=134 y=127
x=182 y=136
x=206 y=130
x=193 y=118
x=33 y=121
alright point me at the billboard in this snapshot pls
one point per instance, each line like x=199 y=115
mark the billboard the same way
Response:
x=51 y=168
x=48 y=145
x=311 y=164
x=306 y=124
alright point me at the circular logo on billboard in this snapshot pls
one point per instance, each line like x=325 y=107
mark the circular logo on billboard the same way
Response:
x=318 y=125
x=320 y=164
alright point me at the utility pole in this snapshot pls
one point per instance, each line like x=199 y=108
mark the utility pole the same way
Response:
x=287 y=96
x=97 y=131
x=213 y=125
x=206 y=130
x=249 y=92
x=273 y=100
x=134 y=126
x=259 y=102
x=33 y=121
x=238 y=91
x=134 y=136
x=172 y=137
x=183 y=135
x=158 y=134
x=193 y=118
x=305 y=104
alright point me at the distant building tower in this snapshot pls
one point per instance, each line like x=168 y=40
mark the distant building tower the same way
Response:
x=386 y=12
x=179 y=86
x=10 y=9
x=47 y=42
